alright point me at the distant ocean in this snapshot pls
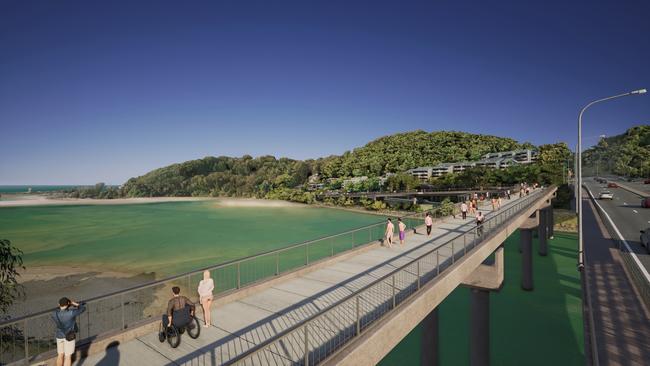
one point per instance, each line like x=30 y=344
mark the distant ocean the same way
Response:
x=35 y=188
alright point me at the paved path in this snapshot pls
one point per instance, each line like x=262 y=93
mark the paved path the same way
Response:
x=242 y=324
x=621 y=321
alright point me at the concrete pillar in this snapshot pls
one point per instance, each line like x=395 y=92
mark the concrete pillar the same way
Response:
x=526 y=244
x=479 y=344
x=429 y=351
x=541 y=233
x=551 y=223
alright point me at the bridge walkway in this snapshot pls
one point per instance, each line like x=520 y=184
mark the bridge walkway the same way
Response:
x=241 y=324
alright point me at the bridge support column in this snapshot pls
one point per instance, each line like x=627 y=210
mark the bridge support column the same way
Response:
x=429 y=350
x=526 y=242
x=479 y=343
x=551 y=222
x=485 y=279
x=542 y=232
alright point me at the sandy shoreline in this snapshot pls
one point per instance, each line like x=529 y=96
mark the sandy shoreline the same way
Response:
x=44 y=200
x=44 y=285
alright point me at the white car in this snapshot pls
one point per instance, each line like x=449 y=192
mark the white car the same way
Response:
x=645 y=239
x=605 y=195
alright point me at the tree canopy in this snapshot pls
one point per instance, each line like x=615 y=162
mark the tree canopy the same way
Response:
x=625 y=154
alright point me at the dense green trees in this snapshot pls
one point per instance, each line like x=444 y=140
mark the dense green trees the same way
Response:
x=625 y=154
x=11 y=262
x=268 y=177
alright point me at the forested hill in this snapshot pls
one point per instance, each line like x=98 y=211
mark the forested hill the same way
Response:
x=248 y=176
x=625 y=154
x=403 y=151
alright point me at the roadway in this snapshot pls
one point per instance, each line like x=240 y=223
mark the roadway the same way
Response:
x=628 y=216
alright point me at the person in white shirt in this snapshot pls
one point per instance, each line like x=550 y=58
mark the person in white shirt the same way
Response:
x=206 y=286
x=463 y=210
x=428 y=221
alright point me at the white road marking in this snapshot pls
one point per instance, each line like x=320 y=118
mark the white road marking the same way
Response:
x=635 y=211
x=625 y=203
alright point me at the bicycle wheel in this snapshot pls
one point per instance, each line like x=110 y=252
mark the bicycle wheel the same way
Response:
x=194 y=328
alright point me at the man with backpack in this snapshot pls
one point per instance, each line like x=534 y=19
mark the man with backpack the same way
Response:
x=66 y=329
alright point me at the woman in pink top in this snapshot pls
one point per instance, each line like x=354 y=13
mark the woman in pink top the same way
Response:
x=390 y=231
x=206 y=286
x=428 y=221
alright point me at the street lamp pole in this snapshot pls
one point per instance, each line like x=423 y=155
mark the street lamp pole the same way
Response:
x=581 y=263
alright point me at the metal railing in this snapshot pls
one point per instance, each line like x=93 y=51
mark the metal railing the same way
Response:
x=24 y=338
x=321 y=335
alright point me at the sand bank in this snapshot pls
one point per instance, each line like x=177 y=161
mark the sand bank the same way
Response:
x=43 y=200
x=45 y=285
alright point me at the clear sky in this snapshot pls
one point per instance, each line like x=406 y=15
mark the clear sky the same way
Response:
x=105 y=90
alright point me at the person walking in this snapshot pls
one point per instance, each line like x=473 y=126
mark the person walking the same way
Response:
x=402 y=231
x=494 y=203
x=390 y=232
x=498 y=202
x=66 y=329
x=428 y=222
x=206 y=286
x=463 y=210
x=479 y=223
x=508 y=194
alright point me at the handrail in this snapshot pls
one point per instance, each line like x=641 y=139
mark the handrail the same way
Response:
x=197 y=271
x=259 y=347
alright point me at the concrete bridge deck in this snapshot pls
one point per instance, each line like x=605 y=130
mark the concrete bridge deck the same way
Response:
x=248 y=321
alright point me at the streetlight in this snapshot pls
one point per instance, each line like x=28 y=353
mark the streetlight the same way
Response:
x=581 y=263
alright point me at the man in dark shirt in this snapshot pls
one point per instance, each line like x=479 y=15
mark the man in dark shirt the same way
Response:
x=176 y=303
x=65 y=319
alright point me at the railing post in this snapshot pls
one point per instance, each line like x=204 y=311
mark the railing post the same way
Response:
x=122 y=306
x=418 y=266
x=332 y=244
x=26 y=340
x=306 y=345
x=277 y=263
x=453 y=252
x=238 y=276
x=353 y=239
x=437 y=262
x=307 y=253
x=393 y=291
x=464 y=244
x=358 y=315
x=369 y=234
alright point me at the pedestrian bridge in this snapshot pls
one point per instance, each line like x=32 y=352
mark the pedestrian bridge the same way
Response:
x=342 y=299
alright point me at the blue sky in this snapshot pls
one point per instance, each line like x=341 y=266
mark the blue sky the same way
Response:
x=103 y=91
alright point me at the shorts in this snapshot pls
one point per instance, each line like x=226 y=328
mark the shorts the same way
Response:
x=428 y=229
x=64 y=347
x=402 y=235
x=203 y=298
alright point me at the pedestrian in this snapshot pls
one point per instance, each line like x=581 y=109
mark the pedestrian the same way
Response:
x=66 y=329
x=463 y=210
x=494 y=203
x=479 y=223
x=206 y=286
x=498 y=202
x=527 y=191
x=402 y=231
x=508 y=194
x=390 y=232
x=428 y=221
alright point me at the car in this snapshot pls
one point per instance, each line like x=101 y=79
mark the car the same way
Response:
x=645 y=202
x=605 y=195
x=612 y=185
x=647 y=181
x=645 y=239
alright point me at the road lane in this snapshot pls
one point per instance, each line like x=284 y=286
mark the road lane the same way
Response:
x=626 y=212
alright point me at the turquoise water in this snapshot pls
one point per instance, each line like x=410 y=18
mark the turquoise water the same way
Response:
x=165 y=238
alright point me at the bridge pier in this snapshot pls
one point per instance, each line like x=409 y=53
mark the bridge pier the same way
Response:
x=542 y=232
x=485 y=279
x=526 y=248
x=429 y=350
x=479 y=343
x=551 y=222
